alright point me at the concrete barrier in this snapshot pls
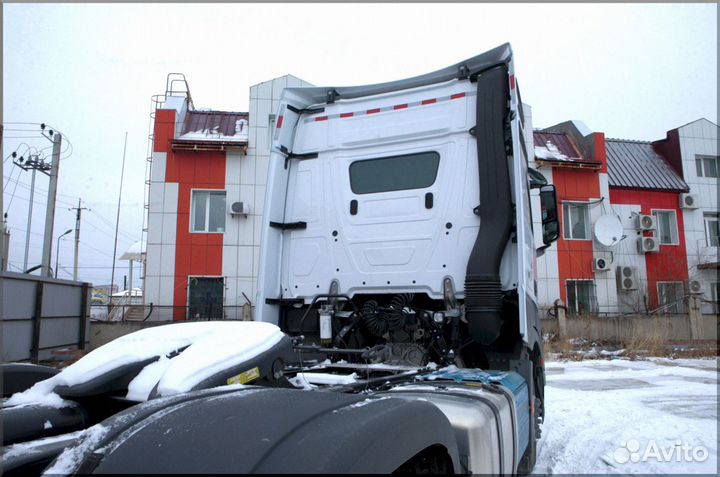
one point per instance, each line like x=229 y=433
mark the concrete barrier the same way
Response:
x=627 y=327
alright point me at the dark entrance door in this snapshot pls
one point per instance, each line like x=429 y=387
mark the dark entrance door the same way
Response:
x=205 y=298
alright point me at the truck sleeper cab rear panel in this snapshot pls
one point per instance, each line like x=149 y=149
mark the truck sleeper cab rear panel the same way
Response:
x=397 y=224
x=365 y=241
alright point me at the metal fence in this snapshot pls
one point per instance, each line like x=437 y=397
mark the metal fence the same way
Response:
x=150 y=312
x=41 y=315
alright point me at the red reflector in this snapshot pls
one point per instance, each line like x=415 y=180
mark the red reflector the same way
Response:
x=457 y=96
x=429 y=101
x=512 y=81
x=373 y=111
x=400 y=106
x=346 y=115
x=279 y=123
x=321 y=118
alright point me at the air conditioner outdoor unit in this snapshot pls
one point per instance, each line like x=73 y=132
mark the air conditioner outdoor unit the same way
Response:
x=688 y=201
x=644 y=222
x=601 y=264
x=693 y=287
x=648 y=245
x=626 y=278
x=239 y=208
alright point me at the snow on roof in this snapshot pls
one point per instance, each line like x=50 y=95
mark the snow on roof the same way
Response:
x=210 y=347
x=555 y=146
x=201 y=125
x=133 y=252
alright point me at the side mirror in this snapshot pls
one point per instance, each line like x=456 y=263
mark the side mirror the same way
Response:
x=549 y=214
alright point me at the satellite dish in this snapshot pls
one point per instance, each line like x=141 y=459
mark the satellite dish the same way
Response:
x=608 y=230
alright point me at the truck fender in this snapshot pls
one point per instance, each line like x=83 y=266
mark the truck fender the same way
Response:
x=270 y=430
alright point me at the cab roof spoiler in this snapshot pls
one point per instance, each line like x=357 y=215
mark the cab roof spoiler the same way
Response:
x=500 y=55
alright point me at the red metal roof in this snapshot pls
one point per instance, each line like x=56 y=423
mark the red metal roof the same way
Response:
x=219 y=122
x=559 y=147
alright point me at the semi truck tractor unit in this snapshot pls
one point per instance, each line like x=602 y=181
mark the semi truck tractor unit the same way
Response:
x=396 y=327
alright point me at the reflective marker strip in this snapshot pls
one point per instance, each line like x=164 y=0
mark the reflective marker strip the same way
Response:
x=279 y=122
x=512 y=81
x=395 y=107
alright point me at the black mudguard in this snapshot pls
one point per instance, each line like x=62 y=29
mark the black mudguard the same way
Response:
x=24 y=423
x=17 y=377
x=268 y=430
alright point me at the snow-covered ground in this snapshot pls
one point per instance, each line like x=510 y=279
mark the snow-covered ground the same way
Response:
x=626 y=417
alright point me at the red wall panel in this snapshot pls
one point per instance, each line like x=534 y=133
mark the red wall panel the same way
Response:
x=196 y=253
x=574 y=256
x=164 y=129
x=670 y=264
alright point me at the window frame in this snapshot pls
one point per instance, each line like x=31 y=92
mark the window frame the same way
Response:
x=707 y=218
x=588 y=227
x=680 y=304
x=594 y=306
x=673 y=235
x=700 y=168
x=715 y=296
x=193 y=193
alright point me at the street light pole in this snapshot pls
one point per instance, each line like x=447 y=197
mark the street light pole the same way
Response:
x=57 y=250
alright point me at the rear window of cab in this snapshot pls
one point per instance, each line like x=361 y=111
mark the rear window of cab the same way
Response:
x=386 y=174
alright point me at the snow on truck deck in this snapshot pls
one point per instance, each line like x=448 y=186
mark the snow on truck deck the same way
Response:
x=626 y=417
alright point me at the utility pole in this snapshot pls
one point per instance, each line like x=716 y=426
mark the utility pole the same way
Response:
x=79 y=209
x=33 y=163
x=52 y=194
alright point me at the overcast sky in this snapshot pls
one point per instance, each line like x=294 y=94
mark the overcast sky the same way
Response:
x=631 y=71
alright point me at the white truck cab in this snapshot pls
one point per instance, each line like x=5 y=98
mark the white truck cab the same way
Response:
x=397 y=218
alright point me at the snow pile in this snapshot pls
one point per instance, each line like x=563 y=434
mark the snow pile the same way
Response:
x=230 y=344
x=549 y=151
x=629 y=417
x=328 y=378
x=210 y=347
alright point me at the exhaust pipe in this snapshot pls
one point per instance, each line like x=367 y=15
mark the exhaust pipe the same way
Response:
x=483 y=294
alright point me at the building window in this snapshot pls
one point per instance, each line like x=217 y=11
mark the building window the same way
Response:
x=581 y=297
x=670 y=297
x=715 y=297
x=666 y=226
x=712 y=229
x=409 y=171
x=576 y=221
x=208 y=211
x=707 y=166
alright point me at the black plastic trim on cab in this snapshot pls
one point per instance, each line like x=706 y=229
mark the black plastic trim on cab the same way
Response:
x=289 y=225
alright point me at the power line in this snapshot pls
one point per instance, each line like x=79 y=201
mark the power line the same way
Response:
x=128 y=236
